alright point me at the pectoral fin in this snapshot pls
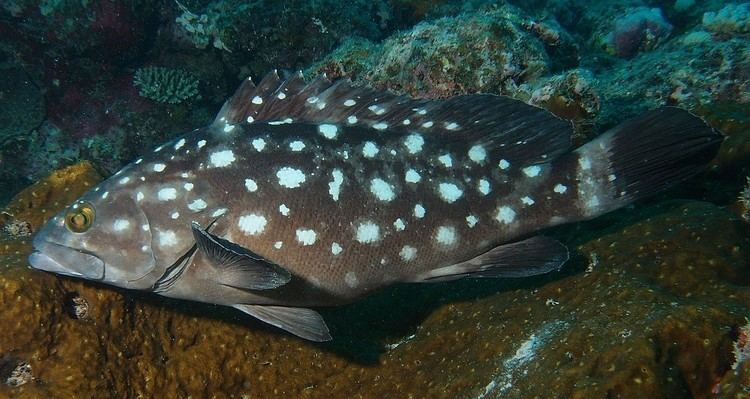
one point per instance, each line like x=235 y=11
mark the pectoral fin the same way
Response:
x=530 y=257
x=302 y=322
x=237 y=266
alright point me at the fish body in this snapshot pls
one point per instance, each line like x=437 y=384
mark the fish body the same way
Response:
x=303 y=195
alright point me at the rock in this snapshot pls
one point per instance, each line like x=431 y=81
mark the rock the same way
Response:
x=656 y=313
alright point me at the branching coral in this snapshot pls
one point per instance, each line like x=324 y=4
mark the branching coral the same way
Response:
x=172 y=86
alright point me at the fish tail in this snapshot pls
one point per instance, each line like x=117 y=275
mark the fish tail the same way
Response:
x=641 y=157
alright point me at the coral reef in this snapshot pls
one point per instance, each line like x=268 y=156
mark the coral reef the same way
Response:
x=732 y=19
x=171 y=86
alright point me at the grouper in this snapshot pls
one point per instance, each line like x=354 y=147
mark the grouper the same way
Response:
x=302 y=195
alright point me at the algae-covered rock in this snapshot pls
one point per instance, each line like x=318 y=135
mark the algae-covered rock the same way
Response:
x=657 y=312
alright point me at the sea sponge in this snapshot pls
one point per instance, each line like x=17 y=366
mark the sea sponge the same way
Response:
x=640 y=29
x=171 y=86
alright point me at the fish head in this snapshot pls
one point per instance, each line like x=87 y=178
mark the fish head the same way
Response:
x=104 y=236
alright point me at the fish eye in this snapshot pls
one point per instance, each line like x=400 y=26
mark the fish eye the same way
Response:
x=80 y=219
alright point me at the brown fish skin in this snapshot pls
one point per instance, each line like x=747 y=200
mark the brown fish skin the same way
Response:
x=314 y=195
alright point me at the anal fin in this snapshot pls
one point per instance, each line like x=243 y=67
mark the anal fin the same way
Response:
x=237 y=266
x=302 y=322
x=530 y=257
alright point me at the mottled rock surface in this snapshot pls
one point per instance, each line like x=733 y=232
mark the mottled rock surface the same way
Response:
x=650 y=306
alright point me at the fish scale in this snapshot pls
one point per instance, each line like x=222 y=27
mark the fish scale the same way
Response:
x=314 y=194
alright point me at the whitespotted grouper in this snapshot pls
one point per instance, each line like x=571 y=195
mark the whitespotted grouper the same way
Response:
x=303 y=195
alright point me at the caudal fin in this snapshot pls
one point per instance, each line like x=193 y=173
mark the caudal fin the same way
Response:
x=641 y=157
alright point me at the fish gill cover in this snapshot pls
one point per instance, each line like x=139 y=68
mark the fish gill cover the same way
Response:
x=652 y=302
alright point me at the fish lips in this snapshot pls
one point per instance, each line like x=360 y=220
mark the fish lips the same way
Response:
x=68 y=261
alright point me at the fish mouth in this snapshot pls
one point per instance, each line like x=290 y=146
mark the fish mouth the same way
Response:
x=67 y=261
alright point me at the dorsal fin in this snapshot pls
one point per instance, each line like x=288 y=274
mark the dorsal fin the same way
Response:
x=515 y=131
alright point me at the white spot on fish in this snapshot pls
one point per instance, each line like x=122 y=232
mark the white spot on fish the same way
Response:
x=419 y=211
x=336 y=248
x=257 y=100
x=382 y=189
x=420 y=111
x=399 y=225
x=328 y=131
x=179 y=144
x=167 y=238
x=560 y=189
x=306 y=236
x=259 y=144
x=105 y=195
x=281 y=96
x=503 y=164
x=121 y=225
x=228 y=128
x=427 y=124
x=368 y=232
x=175 y=215
x=472 y=220
x=451 y=126
x=412 y=176
x=312 y=100
x=446 y=235
x=223 y=158
x=370 y=149
x=592 y=202
x=139 y=196
x=350 y=103
x=201 y=143
x=250 y=185
x=351 y=279
x=532 y=171
x=278 y=244
x=505 y=215
x=483 y=186
x=284 y=210
x=527 y=200
x=159 y=148
x=296 y=145
x=167 y=194
x=408 y=253
x=477 y=154
x=584 y=163
x=446 y=160
x=124 y=180
x=188 y=186
x=376 y=109
x=250 y=119
x=449 y=192
x=406 y=122
x=139 y=160
x=351 y=119
x=252 y=224
x=334 y=187
x=414 y=143
x=197 y=205
x=380 y=126
x=159 y=167
x=219 y=212
x=290 y=177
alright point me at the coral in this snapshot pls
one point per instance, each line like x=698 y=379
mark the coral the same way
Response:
x=742 y=345
x=744 y=200
x=21 y=374
x=171 y=86
x=16 y=229
x=488 y=51
x=732 y=19
x=639 y=29
x=203 y=29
